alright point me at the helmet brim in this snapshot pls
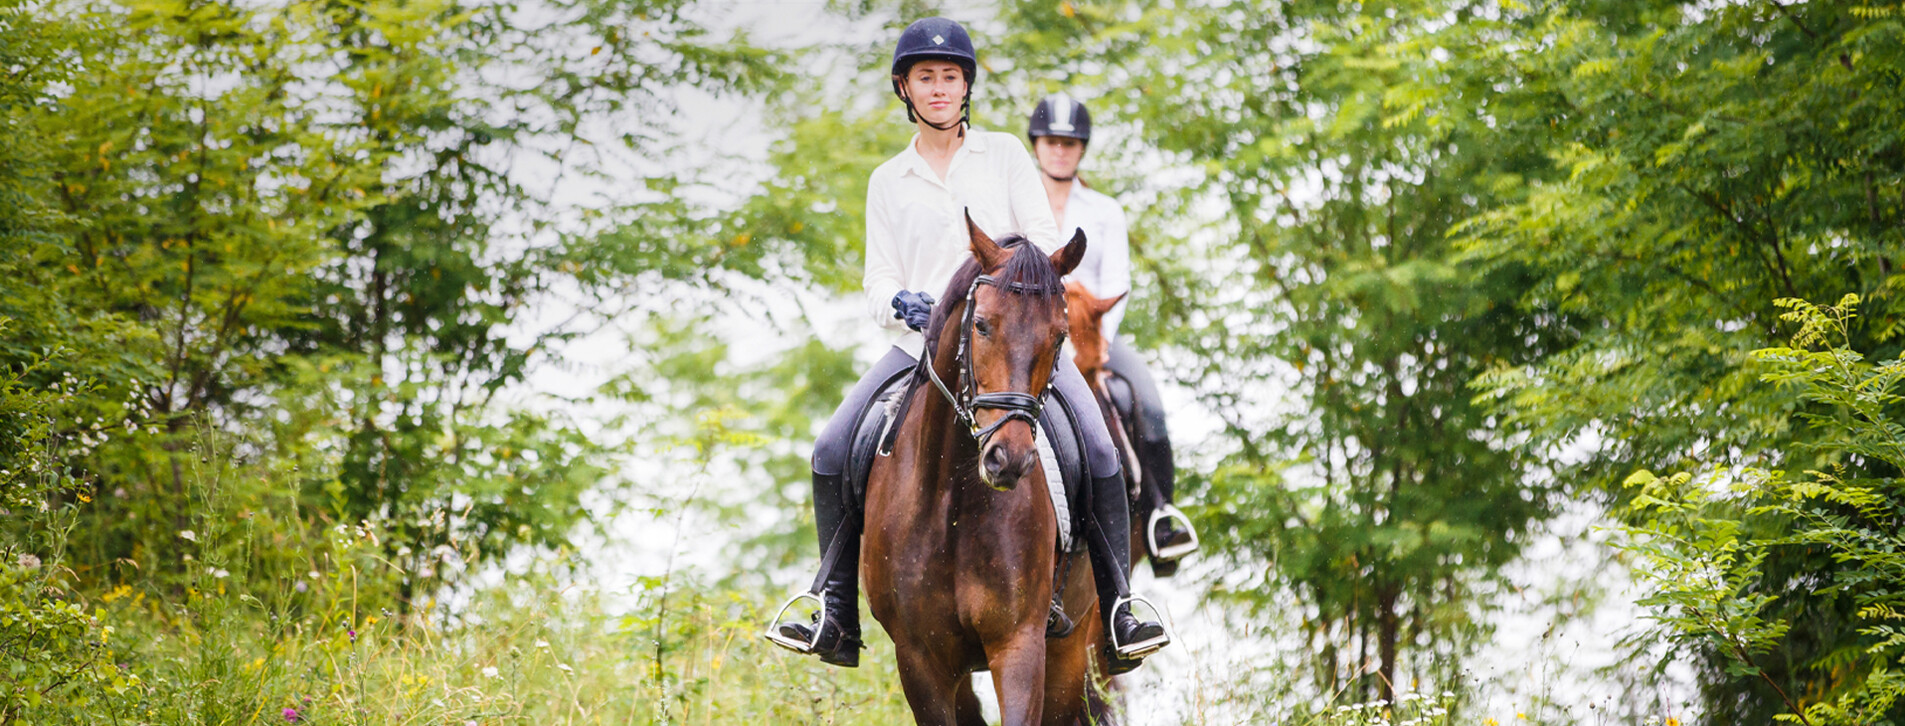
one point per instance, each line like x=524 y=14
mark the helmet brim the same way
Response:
x=905 y=63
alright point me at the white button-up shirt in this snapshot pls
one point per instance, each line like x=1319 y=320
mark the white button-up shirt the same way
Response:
x=1106 y=269
x=916 y=230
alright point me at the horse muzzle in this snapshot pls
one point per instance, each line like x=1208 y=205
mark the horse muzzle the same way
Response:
x=1002 y=464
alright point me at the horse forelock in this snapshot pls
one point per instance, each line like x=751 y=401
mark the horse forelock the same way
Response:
x=1028 y=269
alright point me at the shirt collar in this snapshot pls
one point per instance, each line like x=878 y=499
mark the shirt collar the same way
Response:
x=975 y=143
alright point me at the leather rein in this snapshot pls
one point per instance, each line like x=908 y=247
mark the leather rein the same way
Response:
x=969 y=400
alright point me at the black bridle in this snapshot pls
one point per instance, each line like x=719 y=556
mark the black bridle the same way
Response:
x=969 y=401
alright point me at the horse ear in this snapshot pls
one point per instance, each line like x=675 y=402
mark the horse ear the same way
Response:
x=990 y=255
x=1067 y=258
x=1105 y=305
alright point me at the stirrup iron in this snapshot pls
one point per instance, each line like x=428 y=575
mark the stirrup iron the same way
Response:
x=1141 y=648
x=803 y=647
x=1176 y=551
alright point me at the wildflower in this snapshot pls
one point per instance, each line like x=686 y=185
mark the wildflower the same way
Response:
x=188 y=535
x=564 y=667
x=291 y=715
x=29 y=562
x=1491 y=722
x=1671 y=721
x=352 y=633
x=489 y=672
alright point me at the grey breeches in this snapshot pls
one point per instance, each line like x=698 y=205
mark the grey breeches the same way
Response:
x=830 y=452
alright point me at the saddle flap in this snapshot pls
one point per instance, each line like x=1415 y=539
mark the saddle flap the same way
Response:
x=871 y=431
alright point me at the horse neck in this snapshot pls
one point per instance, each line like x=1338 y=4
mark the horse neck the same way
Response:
x=946 y=449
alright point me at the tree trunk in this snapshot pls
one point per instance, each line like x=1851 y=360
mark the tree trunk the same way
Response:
x=1388 y=623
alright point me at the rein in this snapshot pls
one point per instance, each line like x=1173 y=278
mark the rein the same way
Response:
x=969 y=401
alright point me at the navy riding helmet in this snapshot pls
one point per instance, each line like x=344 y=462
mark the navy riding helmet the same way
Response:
x=1059 y=115
x=935 y=39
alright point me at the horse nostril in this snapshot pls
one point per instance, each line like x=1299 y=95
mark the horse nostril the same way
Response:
x=995 y=461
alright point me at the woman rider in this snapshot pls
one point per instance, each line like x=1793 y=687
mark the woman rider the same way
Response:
x=916 y=239
x=1060 y=131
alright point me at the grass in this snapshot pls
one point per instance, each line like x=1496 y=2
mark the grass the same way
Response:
x=523 y=652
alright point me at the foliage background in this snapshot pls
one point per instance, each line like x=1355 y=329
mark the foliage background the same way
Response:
x=352 y=355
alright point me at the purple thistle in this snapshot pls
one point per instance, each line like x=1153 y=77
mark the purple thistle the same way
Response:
x=291 y=715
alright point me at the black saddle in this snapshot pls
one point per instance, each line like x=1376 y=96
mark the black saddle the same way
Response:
x=876 y=421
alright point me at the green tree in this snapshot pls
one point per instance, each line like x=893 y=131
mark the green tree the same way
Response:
x=1342 y=144
x=1718 y=158
x=307 y=225
x=1704 y=543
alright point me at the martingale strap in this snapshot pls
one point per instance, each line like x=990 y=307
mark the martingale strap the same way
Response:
x=969 y=401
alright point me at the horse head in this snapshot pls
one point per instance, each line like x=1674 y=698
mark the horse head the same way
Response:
x=1086 y=313
x=1014 y=327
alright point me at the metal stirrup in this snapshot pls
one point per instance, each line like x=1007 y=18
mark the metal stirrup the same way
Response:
x=1141 y=648
x=773 y=635
x=1176 y=551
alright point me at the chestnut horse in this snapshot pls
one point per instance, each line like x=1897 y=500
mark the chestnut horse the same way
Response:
x=960 y=555
x=1091 y=352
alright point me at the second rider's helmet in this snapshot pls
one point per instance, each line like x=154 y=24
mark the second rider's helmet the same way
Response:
x=935 y=39
x=1059 y=115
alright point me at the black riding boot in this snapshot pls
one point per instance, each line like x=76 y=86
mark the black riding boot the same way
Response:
x=839 y=640
x=1108 y=535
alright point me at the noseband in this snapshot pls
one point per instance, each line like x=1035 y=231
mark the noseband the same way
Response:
x=969 y=401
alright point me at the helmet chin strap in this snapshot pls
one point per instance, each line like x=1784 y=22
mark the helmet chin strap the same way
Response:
x=965 y=114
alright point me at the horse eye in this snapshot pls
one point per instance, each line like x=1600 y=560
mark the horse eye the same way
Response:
x=982 y=327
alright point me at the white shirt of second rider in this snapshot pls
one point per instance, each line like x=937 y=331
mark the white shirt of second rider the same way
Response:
x=1106 y=269
x=916 y=235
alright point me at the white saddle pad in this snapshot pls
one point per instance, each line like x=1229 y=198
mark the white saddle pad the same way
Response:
x=1055 y=487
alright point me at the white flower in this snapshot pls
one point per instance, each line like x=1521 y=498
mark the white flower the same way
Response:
x=188 y=535
x=219 y=573
x=489 y=672
x=29 y=562
x=564 y=667
x=542 y=643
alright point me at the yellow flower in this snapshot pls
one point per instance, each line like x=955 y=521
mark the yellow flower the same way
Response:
x=1491 y=722
x=1671 y=721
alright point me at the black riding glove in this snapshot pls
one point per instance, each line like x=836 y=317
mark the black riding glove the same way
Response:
x=916 y=308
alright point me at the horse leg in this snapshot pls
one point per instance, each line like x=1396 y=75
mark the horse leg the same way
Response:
x=1068 y=675
x=1018 y=675
x=966 y=709
x=1074 y=668
x=931 y=687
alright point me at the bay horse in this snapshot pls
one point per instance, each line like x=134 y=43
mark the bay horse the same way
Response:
x=960 y=556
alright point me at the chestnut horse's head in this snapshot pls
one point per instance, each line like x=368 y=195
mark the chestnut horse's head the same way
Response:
x=1086 y=316
x=1010 y=308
